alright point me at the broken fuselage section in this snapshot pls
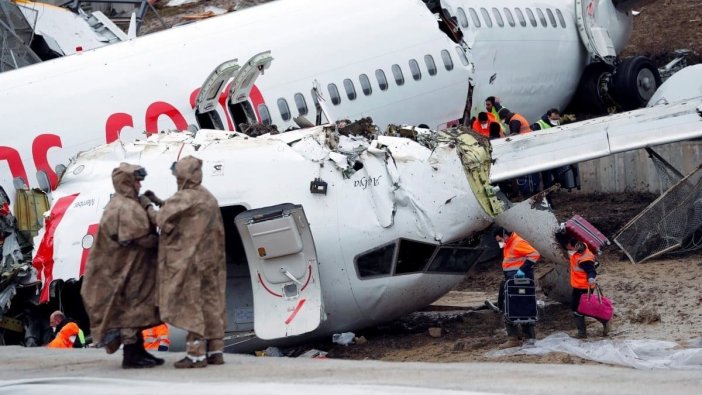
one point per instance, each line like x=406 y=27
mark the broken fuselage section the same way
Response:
x=324 y=232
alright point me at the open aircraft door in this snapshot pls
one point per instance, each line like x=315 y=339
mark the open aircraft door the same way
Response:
x=208 y=97
x=284 y=271
x=240 y=88
x=595 y=37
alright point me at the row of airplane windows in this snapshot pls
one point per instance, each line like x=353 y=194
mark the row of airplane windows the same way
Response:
x=366 y=88
x=463 y=18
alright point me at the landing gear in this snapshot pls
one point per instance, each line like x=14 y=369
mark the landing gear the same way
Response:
x=634 y=82
x=592 y=96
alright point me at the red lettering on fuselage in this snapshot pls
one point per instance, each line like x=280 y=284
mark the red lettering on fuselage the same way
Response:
x=156 y=109
x=40 y=151
x=114 y=125
x=15 y=162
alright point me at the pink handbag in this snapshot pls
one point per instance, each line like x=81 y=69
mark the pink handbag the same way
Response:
x=596 y=305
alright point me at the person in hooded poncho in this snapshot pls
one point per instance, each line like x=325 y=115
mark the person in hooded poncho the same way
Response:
x=119 y=285
x=192 y=268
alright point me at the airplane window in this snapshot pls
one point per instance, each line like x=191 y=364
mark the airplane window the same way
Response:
x=453 y=260
x=397 y=73
x=413 y=256
x=551 y=17
x=560 y=18
x=334 y=94
x=431 y=66
x=382 y=81
x=474 y=17
x=377 y=262
x=532 y=19
x=365 y=84
x=498 y=17
x=520 y=16
x=265 y=115
x=462 y=19
x=486 y=17
x=448 y=62
x=350 y=89
x=284 y=109
x=542 y=17
x=462 y=55
x=510 y=18
x=301 y=104
x=414 y=68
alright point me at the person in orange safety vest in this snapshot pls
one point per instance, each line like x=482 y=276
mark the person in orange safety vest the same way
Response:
x=68 y=334
x=481 y=125
x=583 y=276
x=519 y=258
x=156 y=338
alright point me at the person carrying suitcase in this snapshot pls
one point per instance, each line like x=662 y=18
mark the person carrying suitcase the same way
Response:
x=583 y=277
x=519 y=258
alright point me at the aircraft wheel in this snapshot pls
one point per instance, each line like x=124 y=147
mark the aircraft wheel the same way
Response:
x=634 y=82
x=592 y=95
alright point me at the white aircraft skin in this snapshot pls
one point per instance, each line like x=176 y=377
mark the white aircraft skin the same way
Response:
x=413 y=194
x=53 y=110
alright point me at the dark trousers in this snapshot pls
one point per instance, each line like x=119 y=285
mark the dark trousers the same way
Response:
x=575 y=298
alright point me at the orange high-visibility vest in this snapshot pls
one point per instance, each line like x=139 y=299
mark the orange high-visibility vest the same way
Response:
x=478 y=128
x=156 y=336
x=66 y=336
x=526 y=127
x=516 y=251
x=578 y=276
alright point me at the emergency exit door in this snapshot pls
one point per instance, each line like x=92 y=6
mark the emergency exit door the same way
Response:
x=284 y=271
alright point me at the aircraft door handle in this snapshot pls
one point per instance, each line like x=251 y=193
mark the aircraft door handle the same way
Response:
x=290 y=276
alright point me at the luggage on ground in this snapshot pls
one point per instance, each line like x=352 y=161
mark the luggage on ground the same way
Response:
x=520 y=300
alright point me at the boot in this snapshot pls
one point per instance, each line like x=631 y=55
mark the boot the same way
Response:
x=215 y=359
x=191 y=362
x=145 y=354
x=606 y=326
x=215 y=349
x=132 y=359
x=580 y=324
x=529 y=332
x=112 y=341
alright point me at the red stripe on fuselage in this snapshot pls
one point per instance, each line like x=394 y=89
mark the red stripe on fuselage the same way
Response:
x=92 y=230
x=44 y=259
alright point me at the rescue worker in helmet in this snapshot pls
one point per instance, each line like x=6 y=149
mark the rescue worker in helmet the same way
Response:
x=119 y=285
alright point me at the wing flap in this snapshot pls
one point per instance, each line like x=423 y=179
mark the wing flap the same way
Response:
x=646 y=127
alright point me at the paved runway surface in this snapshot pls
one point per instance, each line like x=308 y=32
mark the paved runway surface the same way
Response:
x=91 y=371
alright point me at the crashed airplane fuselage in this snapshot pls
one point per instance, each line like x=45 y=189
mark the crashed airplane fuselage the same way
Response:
x=380 y=233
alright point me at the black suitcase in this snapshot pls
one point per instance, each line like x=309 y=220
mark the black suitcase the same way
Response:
x=520 y=301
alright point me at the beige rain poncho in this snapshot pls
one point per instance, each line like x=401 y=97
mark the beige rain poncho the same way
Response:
x=119 y=285
x=192 y=268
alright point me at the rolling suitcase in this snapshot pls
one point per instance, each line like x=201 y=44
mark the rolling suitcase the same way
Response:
x=582 y=230
x=520 y=301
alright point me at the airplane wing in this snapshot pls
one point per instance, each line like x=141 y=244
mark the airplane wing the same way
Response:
x=542 y=150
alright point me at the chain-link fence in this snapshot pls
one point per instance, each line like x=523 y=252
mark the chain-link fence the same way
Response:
x=671 y=223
